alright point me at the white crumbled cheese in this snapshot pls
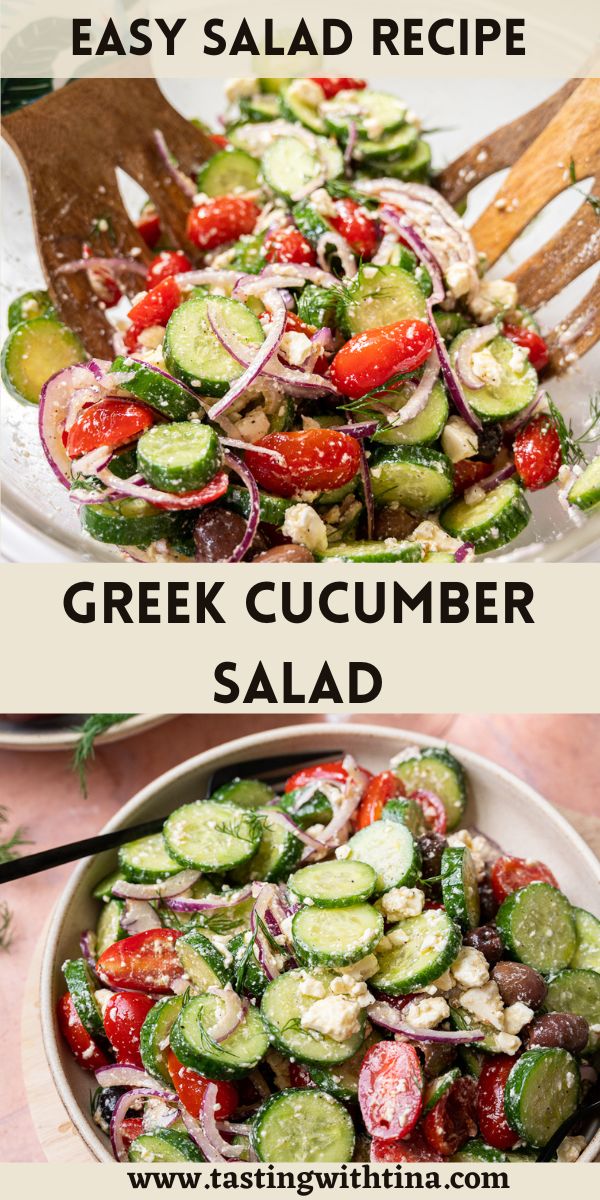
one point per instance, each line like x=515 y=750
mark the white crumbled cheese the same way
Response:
x=518 y=360
x=444 y=983
x=470 y=968
x=485 y=1004
x=486 y=367
x=296 y=347
x=151 y=338
x=459 y=441
x=323 y=203
x=570 y=1148
x=506 y=1043
x=306 y=91
x=221 y=944
x=280 y=1068
x=493 y=296
x=336 y=1017
x=383 y=945
x=474 y=495
x=343 y=852
x=312 y=987
x=253 y=425
x=432 y=537
x=305 y=527
x=364 y=969
x=427 y=1013
x=477 y=844
x=102 y=997
x=402 y=902
x=516 y=1016
x=396 y=937
x=355 y=989
x=373 y=127
x=460 y=278
x=236 y=89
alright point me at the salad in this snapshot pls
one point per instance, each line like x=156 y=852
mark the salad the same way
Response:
x=324 y=373
x=338 y=972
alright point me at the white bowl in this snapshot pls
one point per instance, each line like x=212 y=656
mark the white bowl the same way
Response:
x=63 y=732
x=505 y=808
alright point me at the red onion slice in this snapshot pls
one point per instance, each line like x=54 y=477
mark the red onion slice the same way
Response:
x=87 y=945
x=172 y=886
x=406 y=231
x=274 y=303
x=350 y=798
x=264 y=951
x=132 y=1099
x=349 y=147
x=213 y=276
x=235 y=464
x=521 y=419
x=55 y=398
x=284 y=819
x=362 y=429
x=89 y=464
x=234 y=1011
x=128 y=1075
x=452 y=383
x=209 y=904
x=183 y=181
x=473 y=341
x=303 y=270
x=418 y=401
x=463 y=552
x=294 y=380
x=236 y=444
x=142 y=491
x=109 y=265
x=342 y=249
x=138 y=916
x=384 y=1015
x=492 y=481
x=311 y=186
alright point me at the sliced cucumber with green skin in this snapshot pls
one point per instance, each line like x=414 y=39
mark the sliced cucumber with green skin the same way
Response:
x=516 y=388
x=203 y=964
x=492 y=522
x=246 y=793
x=416 y=165
x=577 y=991
x=272 y=86
x=247 y=973
x=81 y=987
x=312 y=225
x=427 y=427
x=390 y=550
x=282 y=1007
x=436 y=770
x=164 y=1145
x=460 y=891
x=228 y=171
x=248 y=254
x=109 y=929
x=277 y=854
x=303 y=1125
x=154 y=1036
x=212 y=837
x=478 y=1151
x=337 y=937
x=316 y=306
x=104 y=889
x=542 y=1091
x=314 y=811
x=147 y=860
x=194 y=354
x=157 y=389
x=438 y=1087
x=364 y=109
x=334 y=884
x=179 y=457
x=379 y=296
x=342 y=1081
x=408 y=967
x=390 y=849
x=409 y=813
x=272 y=508
x=472 y=1060
x=33 y=352
x=29 y=306
x=230 y=1059
x=415 y=477
x=393 y=146
x=124 y=463
x=294 y=109
x=260 y=108
x=537 y=927
x=129 y=522
x=461 y=1019
x=288 y=166
x=587 y=954
x=450 y=324
x=585 y=492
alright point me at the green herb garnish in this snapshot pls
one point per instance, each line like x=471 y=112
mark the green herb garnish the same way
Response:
x=92 y=727
x=589 y=197
x=571 y=445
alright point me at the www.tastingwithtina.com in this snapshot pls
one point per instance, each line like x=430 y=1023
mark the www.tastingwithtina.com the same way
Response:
x=306 y=1183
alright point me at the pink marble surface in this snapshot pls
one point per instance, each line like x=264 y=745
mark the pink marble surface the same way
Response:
x=558 y=755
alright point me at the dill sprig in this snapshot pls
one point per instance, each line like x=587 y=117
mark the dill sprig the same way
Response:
x=6 y=930
x=9 y=849
x=241 y=970
x=92 y=727
x=589 y=198
x=253 y=824
x=339 y=189
x=570 y=444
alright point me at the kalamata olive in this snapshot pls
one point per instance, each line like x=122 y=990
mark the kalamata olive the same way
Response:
x=394 y=523
x=487 y=940
x=566 y=1030
x=432 y=846
x=489 y=441
x=437 y=1059
x=284 y=554
x=518 y=982
x=103 y=1105
x=217 y=532
x=488 y=905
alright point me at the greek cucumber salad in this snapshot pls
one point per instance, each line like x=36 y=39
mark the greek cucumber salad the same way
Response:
x=339 y=972
x=322 y=372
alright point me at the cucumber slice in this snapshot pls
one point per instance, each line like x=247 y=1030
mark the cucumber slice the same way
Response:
x=587 y=954
x=450 y=324
x=248 y=254
x=390 y=849
x=472 y=1060
x=379 y=296
x=273 y=86
x=277 y=854
x=577 y=991
x=33 y=352
x=246 y=793
x=81 y=987
x=410 y=966
x=373 y=114
x=247 y=974
x=312 y=226
x=409 y=813
x=147 y=860
x=104 y=889
x=438 y=1087
x=154 y=1036
x=129 y=522
x=316 y=306
x=421 y=430
x=541 y=1092
x=179 y=457
x=260 y=108
x=337 y=937
x=461 y=1019
x=342 y=1081
x=478 y=1151
x=164 y=1145
x=201 y=961
x=29 y=306
x=109 y=929
x=438 y=771
x=314 y=811
x=124 y=463
x=288 y=166
x=392 y=146
x=537 y=927
x=491 y=523
x=212 y=837
x=334 y=884
x=294 y=109
x=230 y=1059
x=585 y=492
x=390 y=550
x=193 y=352
x=415 y=477
x=303 y=1125
x=516 y=388
x=228 y=171
x=157 y=389
x=272 y=508
x=460 y=891
x=282 y=1007
x=416 y=165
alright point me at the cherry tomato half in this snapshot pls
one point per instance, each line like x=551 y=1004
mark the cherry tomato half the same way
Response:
x=451 y=1122
x=82 y=1046
x=344 y=83
x=165 y=264
x=314 y=460
x=357 y=227
x=146 y=962
x=154 y=308
x=334 y=771
x=509 y=874
x=287 y=245
x=531 y=341
x=211 y=491
x=191 y=1086
x=148 y=225
x=468 y=472
x=390 y=1089
x=380 y=789
x=300 y=1076
x=123 y=1018
x=222 y=219
x=108 y=423
x=537 y=452
x=491 y=1114
x=412 y=1149
x=368 y=360
x=433 y=809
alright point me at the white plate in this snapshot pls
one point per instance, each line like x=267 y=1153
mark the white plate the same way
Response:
x=41 y=525
x=63 y=732
x=507 y=809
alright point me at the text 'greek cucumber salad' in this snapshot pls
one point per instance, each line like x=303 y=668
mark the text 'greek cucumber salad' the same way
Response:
x=324 y=373
x=340 y=972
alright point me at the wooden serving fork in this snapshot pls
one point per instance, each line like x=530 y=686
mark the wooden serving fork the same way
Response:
x=539 y=148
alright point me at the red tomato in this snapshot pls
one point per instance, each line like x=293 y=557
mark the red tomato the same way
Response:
x=380 y=789
x=123 y=1018
x=146 y=962
x=131 y=1128
x=300 y=1076
x=358 y=228
x=491 y=1115
x=433 y=809
x=469 y=472
x=331 y=87
x=220 y=140
x=81 y=1045
x=370 y=359
x=167 y=263
x=537 y=452
x=105 y=285
x=451 y=1122
x=390 y=1089
x=508 y=874
x=211 y=491
x=154 y=308
x=335 y=771
x=190 y=1086
x=287 y=245
x=222 y=219
x=531 y=341
x=314 y=460
x=412 y=1149
x=148 y=225
x=294 y=324
x=108 y=423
